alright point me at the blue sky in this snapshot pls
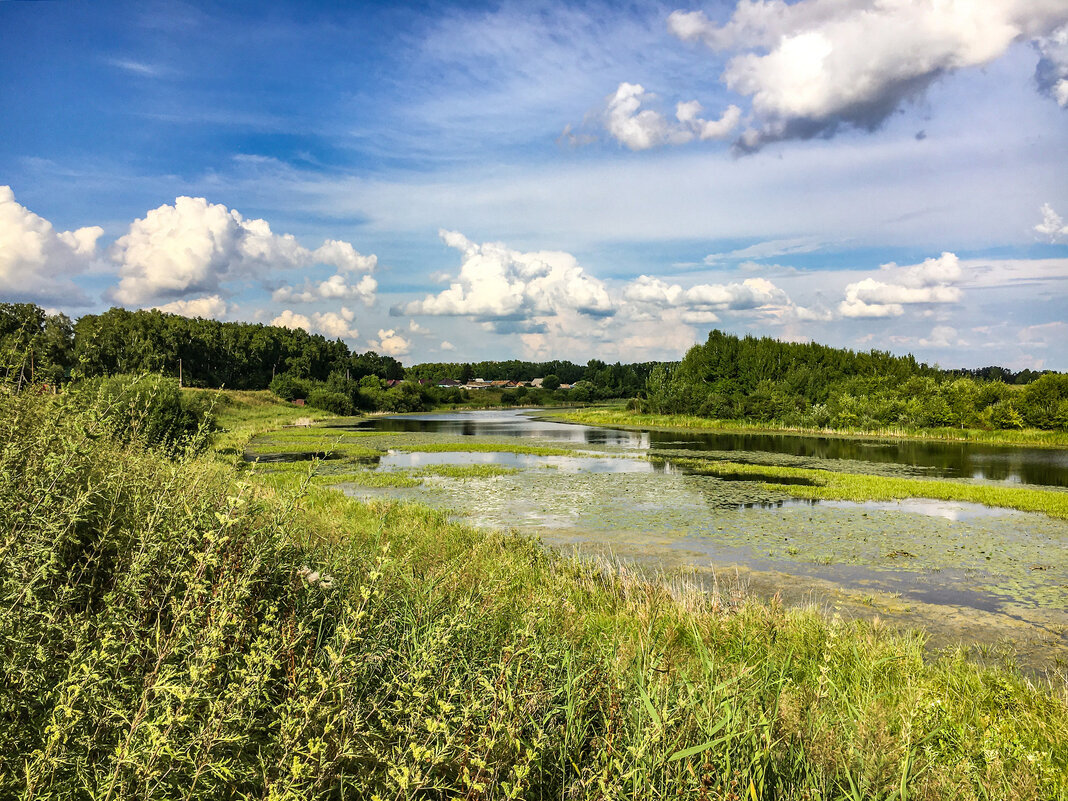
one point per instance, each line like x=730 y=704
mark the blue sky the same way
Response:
x=496 y=180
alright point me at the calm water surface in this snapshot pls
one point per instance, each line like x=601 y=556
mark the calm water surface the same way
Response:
x=1013 y=465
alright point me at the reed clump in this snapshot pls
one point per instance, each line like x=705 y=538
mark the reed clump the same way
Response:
x=171 y=626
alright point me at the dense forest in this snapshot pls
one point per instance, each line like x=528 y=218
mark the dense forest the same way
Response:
x=815 y=386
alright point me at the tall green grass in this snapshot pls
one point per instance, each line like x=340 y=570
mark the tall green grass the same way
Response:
x=176 y=628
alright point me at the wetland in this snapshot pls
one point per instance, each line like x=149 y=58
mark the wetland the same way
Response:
x=813 y=520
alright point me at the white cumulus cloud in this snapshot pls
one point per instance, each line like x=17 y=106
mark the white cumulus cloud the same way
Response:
x=36 y=261
x=193 y=246
x=336 y=287
x=335 y=325
x=809 y=67
x=209 y=306
x=499 y=285
x=345 y=257
x=1052 y=71
x=642 y=128
x=390 y=343
x=751 y=293
x=290 y=319
x=932 y=281
x=1052 y=226
x=942 y=336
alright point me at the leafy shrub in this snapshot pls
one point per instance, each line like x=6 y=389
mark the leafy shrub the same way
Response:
x=150 y=409
x=288 y=387
x=335 y=402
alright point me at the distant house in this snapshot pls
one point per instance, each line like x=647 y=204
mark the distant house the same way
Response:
x=565 y=386
x=392 y=382
x=450 y=382
x=537 y=382
x=298 y=401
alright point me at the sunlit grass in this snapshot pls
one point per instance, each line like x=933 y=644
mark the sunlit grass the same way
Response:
x=241 y=415
x=467 y=471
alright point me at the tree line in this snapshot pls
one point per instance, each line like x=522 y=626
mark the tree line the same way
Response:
x=727 y=377
x=50 y=348
x=816 y=386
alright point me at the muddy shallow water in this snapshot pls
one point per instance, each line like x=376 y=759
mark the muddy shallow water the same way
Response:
x=962 y=571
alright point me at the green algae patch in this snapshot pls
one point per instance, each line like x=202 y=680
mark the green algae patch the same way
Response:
x=827 y=485
x=465 y=472
x=372 y=479
x=486 y=447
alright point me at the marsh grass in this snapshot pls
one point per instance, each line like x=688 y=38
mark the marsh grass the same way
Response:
x=464 y=472
x=828 y=485
x=180 y=628
x=616 y=416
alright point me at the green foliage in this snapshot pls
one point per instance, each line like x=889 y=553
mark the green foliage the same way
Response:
x=206 y=353
x=172 y=628
x=288 y=387
x=601 y=380
x=35 y=347
x=149 y=409
x=551 y=382
x=333 y=402
x=814 y=386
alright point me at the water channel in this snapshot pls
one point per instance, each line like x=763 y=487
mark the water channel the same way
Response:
x=962 y=572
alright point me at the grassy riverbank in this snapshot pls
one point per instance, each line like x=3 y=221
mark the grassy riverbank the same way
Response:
x=616 y=416
x=188 y=627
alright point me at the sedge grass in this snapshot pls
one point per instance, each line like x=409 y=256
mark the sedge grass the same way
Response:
x=177 y=628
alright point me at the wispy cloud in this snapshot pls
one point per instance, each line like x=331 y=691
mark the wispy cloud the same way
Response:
x=138 y=67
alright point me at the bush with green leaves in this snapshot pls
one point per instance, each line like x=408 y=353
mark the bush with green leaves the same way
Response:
x=148 y=409
x=288 y=387
x=334 y=402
